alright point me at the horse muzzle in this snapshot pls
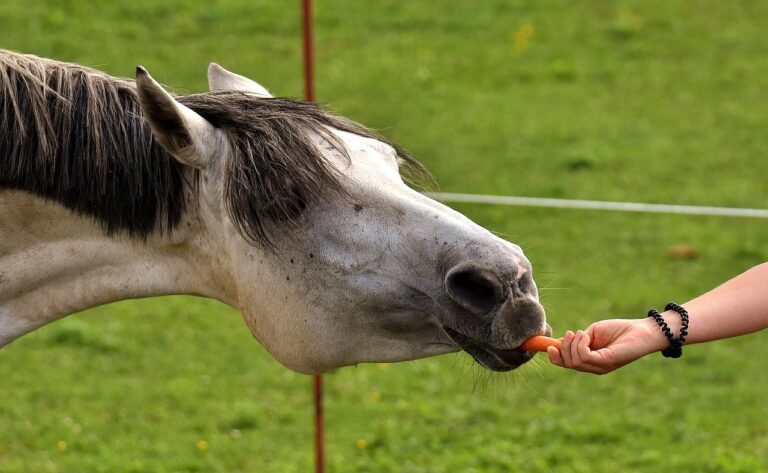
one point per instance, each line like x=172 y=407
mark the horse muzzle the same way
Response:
x=494 y=308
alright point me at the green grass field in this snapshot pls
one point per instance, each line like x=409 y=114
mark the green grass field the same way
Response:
x=650 y=101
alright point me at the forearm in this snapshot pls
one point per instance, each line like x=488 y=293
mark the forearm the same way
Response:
x=737 y=307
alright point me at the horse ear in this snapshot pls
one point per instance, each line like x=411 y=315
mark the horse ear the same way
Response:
x=221 y=79
x=189 y=137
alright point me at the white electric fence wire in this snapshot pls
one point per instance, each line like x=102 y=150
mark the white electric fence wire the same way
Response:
x=596 y=205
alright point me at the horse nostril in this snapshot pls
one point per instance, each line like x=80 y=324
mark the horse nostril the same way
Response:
x=526 y=284
x=473 y=288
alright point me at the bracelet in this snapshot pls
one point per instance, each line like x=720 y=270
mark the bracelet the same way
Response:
x=675 y=349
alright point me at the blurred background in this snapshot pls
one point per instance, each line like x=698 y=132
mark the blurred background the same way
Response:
x=640 y=101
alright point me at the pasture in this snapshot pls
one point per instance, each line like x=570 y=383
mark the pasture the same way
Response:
x=634 y=101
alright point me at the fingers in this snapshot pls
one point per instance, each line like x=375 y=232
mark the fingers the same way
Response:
x=584 y=352
x=554 y=356
x=577 y=340
x=565 y=348
x=575 y=353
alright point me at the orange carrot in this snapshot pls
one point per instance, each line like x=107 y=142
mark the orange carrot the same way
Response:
x=540 y=343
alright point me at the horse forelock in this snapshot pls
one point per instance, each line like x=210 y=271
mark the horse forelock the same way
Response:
x=76 y=136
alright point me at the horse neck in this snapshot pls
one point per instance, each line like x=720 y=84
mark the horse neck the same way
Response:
x=54 y=263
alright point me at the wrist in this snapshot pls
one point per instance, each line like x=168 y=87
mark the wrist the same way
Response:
x=657 y=341
x=673 y=320
x=654 y=337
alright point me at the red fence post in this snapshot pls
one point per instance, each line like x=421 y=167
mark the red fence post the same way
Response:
x=309 y=95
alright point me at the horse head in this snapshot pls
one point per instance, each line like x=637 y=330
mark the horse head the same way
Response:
x=330 y=256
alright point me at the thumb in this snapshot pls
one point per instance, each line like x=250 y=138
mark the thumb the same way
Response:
x=554 y=356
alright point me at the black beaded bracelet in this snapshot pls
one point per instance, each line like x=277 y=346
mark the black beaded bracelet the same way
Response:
x=675 y=349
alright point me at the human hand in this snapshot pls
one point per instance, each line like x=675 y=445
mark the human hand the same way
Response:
x=607 y=345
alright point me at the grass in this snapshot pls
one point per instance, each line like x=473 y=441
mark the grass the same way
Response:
x=639 y=101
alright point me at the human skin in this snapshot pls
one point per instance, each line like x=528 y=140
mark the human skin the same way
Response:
x=737 y=307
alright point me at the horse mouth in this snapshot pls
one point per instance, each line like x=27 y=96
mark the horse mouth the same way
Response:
x=494 y=359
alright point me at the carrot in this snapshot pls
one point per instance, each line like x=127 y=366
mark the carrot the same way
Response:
x=540 y=343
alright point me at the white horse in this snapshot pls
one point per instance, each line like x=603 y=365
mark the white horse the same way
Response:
x=112 y=189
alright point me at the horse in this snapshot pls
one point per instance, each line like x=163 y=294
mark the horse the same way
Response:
x=113 y=189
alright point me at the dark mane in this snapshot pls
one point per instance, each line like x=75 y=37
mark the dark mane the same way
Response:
x=76 y=136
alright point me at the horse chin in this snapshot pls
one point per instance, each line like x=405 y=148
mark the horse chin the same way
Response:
x=494 y=359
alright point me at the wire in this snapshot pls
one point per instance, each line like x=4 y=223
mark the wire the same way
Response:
x=596 y=205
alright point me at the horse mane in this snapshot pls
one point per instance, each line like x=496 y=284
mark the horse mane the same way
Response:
x=76 y=136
